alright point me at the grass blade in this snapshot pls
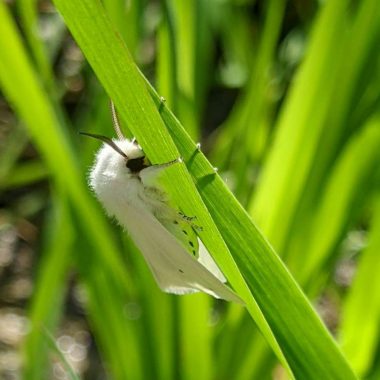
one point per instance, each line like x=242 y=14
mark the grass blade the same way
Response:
x=360 y=327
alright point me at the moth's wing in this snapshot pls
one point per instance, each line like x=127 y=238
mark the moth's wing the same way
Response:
x=208 y=262
x=184 y=231
x=174 y=269
x=180 y=228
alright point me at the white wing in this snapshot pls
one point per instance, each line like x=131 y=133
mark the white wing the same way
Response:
x=208 y=262
x=175 y=270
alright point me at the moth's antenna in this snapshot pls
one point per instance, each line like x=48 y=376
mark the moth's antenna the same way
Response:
x=115 y=122
x=106 y=140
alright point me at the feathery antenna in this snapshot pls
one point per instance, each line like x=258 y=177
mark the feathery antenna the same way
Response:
x=115 y=122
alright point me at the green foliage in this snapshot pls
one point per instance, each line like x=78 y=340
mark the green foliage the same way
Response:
x=299 y=151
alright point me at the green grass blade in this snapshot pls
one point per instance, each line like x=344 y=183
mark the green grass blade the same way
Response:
x=349 y=183
x=360 y=43
x=29 y=21
x=116 y=335
x=70 y=373
x=306 y=344
x=47 y=303
x=354 y=83
x=11 y=151
x=299 y=127
x=188 y=33
x=246 y=122
x=359 y=331
x=167 y=58
x=195 y=337
x=127 y=17
x=25 y=174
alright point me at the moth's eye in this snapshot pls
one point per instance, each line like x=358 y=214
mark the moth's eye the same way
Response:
x=135 y=165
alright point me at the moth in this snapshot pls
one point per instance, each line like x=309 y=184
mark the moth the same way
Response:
x=126 y=184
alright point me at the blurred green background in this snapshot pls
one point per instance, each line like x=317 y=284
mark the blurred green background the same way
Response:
x=284 y=97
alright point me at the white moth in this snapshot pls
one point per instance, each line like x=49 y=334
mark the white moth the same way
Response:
x=126 y=185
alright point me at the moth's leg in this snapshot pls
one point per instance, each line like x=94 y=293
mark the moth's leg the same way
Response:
x=167 y=164
x=150 y=174
x=185 y=217
x=196 y=227
x=190 y=221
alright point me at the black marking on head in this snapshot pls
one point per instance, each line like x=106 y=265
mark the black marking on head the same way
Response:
x=184 y=231
x=180 y=270
x=136 y=164
x=191 y=243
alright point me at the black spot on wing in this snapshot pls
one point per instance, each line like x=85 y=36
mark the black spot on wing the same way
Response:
x=191 y=243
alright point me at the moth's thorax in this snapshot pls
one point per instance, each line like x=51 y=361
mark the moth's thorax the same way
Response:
x=111 y=179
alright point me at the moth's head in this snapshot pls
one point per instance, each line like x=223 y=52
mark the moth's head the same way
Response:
x=119 y=156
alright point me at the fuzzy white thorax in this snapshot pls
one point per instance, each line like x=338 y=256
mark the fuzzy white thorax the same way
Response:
x=111 y=180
